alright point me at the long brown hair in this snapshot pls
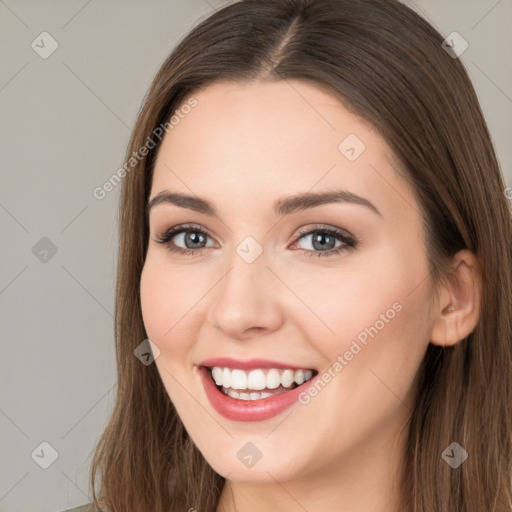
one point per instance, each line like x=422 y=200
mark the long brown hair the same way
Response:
x=386 y=64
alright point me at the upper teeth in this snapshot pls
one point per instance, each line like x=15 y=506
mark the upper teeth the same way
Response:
x=259 y=378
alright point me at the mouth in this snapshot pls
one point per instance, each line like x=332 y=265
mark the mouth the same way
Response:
x=258 y=383
x=253 y=390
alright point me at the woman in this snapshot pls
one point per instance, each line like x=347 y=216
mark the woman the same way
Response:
x=374 y=375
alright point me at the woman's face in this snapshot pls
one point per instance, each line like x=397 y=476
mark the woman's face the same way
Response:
x=262 y=292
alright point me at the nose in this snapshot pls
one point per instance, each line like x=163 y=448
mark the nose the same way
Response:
x=246 y=301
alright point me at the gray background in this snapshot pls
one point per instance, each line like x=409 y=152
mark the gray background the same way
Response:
x=66 y=121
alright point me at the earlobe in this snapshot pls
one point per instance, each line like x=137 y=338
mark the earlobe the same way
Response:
x=458 y=308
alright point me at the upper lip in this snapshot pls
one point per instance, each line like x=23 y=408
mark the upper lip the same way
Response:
x=249 y=364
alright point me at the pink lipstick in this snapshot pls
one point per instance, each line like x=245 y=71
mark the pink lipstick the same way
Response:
x=253 y=390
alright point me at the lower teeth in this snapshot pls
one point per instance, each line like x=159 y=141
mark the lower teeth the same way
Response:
x=254 y=395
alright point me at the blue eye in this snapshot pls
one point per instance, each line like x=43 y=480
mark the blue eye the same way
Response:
x=198 y=237
x=322 y=237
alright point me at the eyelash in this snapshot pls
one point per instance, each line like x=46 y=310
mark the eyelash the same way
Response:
x=349 y=241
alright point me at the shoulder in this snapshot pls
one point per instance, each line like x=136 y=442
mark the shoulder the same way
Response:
x=82 y=508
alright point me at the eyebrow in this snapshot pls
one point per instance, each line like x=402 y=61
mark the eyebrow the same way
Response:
x=283 y=206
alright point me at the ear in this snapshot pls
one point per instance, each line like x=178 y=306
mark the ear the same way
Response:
x=457 y=311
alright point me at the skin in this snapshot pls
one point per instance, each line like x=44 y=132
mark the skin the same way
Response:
x=243 y=147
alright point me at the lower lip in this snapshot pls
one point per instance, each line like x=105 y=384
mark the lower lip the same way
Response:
x=249 y=410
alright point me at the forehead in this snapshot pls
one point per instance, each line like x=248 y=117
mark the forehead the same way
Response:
x=248 y=142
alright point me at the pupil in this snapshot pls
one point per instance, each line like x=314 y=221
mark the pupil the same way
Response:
x=318 y=238
x=194 y=237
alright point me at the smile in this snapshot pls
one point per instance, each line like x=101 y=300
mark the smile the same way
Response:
x=252 y=390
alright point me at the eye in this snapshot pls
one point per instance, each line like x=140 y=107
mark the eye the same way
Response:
x=190 y=236
x=324 y=239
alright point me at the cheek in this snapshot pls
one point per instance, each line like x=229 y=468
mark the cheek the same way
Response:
x=155 y=303
x=166 y=296
x=383 y=323
x=164 y=304
x=382 y=288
